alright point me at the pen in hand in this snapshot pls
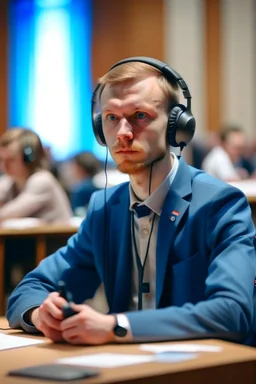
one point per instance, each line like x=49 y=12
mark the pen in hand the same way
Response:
x=63 y=292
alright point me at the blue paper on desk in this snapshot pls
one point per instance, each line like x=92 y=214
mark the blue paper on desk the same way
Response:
x=174 y=357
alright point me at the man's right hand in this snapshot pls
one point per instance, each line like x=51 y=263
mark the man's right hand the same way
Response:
x=48 y=316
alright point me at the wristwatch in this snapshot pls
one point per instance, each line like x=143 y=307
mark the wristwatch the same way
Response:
x=119 y=330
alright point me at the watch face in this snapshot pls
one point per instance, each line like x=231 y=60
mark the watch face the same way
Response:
x=120 y=331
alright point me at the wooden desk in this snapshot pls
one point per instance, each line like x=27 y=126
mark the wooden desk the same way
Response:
x=235 y=364
x=41 y=234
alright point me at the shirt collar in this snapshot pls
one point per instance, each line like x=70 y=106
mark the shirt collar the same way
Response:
x=156 y=200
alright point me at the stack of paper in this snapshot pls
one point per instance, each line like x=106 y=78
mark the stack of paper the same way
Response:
x=9 y=341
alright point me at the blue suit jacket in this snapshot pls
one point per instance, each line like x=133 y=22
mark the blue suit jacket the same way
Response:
x=205 y=262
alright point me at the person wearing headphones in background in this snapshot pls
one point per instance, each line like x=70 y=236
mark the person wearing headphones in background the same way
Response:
x=27 y=188
x=173 y=247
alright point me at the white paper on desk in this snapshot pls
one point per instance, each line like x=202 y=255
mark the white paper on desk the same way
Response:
x=191 y=348
x=106 y=360
x=9 y=341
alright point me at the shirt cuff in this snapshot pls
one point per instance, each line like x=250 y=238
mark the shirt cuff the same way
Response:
x=123 y=321
x=26 y=324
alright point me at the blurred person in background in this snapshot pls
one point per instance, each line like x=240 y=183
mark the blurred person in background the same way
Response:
x=195 y=152
x=250 y=156
x=84 y=166
x=227 y=160
x=27 y=188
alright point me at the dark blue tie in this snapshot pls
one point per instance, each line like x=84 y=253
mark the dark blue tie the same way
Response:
x=141 y=210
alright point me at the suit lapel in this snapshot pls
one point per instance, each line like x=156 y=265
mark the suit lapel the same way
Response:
x=120 y=224
x=173 y=210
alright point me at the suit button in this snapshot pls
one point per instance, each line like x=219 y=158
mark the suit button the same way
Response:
x=145 y=231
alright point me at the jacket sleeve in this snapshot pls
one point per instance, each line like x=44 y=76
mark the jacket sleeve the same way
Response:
x=227 y=311
x=36 y=194
x=74 y=263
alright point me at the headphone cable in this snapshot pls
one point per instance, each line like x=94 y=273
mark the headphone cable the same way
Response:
x=140 y=265
x=105 y=250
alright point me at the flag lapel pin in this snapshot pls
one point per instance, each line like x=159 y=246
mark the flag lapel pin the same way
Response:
x=174 y=214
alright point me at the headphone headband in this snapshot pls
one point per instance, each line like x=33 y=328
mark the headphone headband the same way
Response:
x=169 y=73
x=181 y=123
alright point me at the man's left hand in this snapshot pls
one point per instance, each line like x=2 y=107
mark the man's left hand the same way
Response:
x=88 y=326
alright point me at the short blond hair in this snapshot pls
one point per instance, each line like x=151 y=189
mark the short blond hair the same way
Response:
x=132 y=70
x=26 y=137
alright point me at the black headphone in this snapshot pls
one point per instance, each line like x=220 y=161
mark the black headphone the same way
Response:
x=181 y=123
x=29 y=155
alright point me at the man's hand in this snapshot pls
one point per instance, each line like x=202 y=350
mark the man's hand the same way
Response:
x=88 y=326
x=48 y=317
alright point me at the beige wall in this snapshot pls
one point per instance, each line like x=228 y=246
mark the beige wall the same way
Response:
x=212 y=43
x=184 y=49
x=239 y=63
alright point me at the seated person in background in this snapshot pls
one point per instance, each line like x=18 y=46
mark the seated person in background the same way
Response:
x=27 y=188
x=194 y=153
x=252 y=154
x=173 y=246
x=225 y=161
x=84 y=166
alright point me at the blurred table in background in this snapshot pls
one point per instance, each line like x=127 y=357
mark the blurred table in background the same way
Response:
x=47 y=239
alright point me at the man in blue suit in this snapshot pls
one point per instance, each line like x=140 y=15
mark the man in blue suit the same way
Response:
x=173 y=248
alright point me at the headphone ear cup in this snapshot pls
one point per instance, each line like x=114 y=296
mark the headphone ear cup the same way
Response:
x=98 y=131
x=181 y=126
x=173 y=123
x=28 y=154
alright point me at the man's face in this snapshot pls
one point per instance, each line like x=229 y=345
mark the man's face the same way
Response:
x=134 y=120
x=235 y=146
x=11 y=161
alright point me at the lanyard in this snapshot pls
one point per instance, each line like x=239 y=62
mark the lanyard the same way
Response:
x=142 y=286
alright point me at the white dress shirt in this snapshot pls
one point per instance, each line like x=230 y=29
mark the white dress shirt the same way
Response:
x=142 y=232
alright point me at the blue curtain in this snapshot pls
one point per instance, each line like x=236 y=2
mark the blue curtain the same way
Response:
x=50 y=73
